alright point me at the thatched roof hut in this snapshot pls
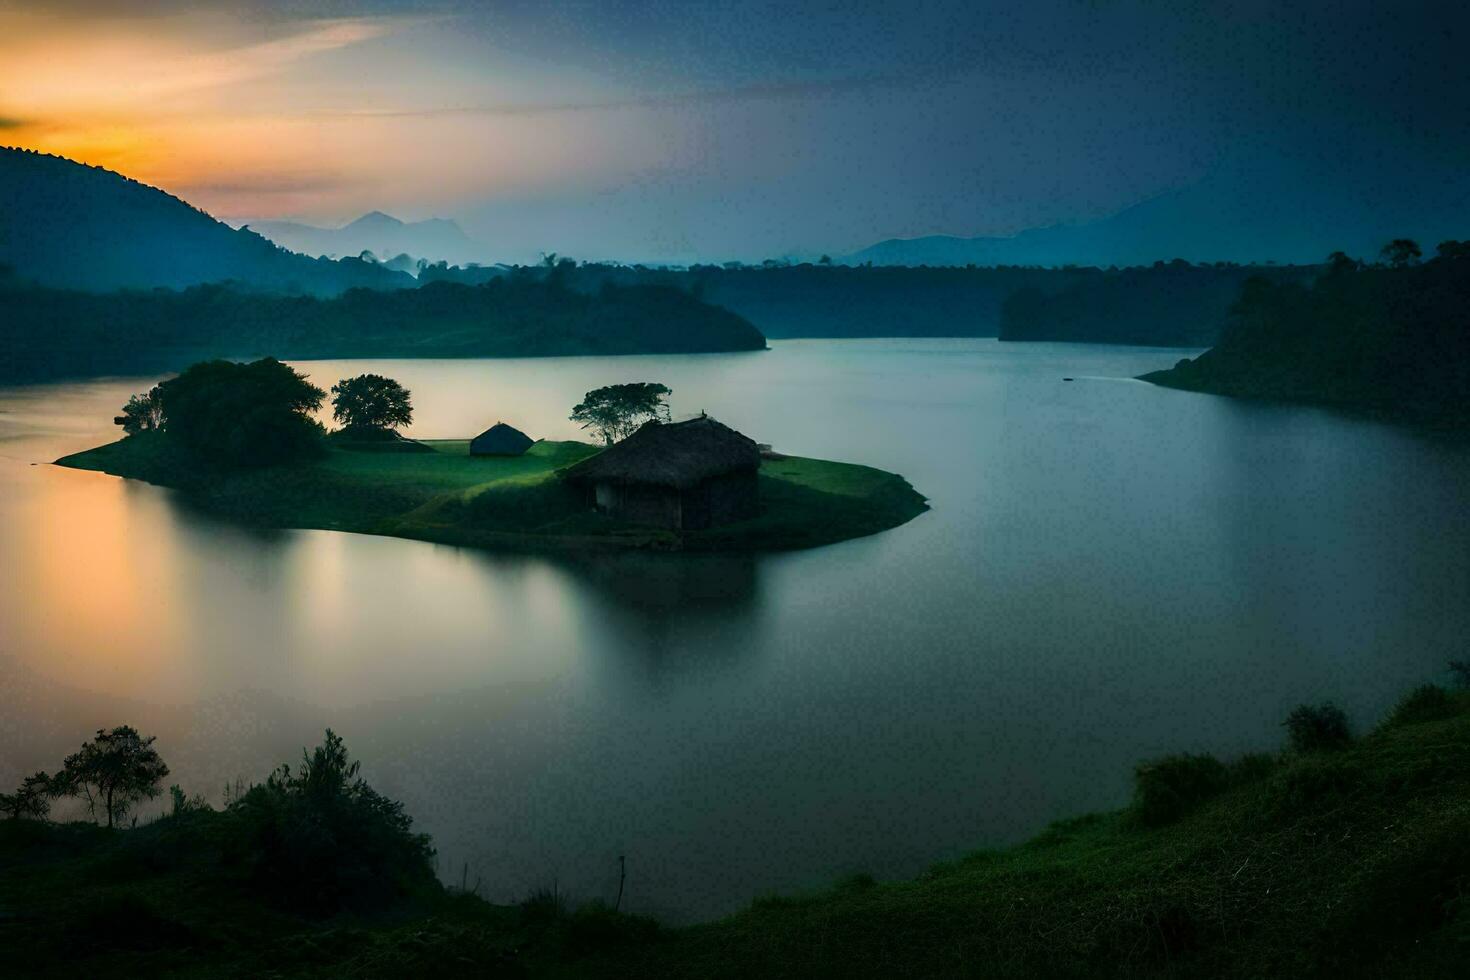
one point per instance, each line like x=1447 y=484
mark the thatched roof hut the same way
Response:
x=500 y=440
x=681 y=474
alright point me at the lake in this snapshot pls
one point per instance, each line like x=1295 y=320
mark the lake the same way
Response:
x=1110 y=571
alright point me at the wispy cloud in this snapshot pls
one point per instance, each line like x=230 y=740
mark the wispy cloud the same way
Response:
x=744 y=93
x=12 y=122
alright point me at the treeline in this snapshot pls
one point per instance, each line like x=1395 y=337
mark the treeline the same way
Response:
x=1168 y=304
x=50 y=333
x=1390 y=339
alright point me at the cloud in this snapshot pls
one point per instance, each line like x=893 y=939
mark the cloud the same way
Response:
x=744 y=93
x=11 y=122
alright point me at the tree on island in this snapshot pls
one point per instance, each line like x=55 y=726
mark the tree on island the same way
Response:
x=142 y=413
x=616 y=412
x=1401 y=252
x=113 y=772
x=32 y=799
x=371 y=405
x=252 y=414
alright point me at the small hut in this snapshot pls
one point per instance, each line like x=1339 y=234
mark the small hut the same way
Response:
x=501 y=440
x=683 y=475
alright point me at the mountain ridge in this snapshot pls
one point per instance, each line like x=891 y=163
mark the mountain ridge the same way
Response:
x=72 y=225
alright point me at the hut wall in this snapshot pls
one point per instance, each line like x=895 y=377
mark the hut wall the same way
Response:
x=720 y=500
x=639 y=504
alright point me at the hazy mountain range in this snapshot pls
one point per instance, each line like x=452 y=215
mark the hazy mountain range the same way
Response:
x=1230 y=216
x=70 y=225
x=436 y=239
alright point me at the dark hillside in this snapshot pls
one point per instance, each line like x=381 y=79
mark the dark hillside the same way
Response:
x=69 y=225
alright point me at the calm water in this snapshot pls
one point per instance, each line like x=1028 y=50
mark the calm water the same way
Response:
x=1110 y=570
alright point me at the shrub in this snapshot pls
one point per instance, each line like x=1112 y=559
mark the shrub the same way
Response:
x=1166 y=789
x=320 y=839
x=1429 y=702
x=31 y=800
x=1317 y=728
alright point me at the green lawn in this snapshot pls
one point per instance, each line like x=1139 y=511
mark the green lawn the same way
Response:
x=505 y=502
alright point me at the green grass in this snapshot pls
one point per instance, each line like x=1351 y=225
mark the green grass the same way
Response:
x=1345 y=863
x=512 y=503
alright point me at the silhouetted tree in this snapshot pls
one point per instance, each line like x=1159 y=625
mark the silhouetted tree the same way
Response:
x=113 y=772
x=1341 y=262
x=31 y=800
x=319 y=837
x=371 y=403
x=616 y=411
x=243 y=414
x=142 y=413
x=1401 y=252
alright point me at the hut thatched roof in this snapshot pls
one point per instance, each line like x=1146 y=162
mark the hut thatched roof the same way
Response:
x=500 y=440
x=670 y=454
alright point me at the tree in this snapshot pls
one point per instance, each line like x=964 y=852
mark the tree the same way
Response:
x=32 y=799
x=616 y=412
x=371 y=403
x=321 y=838
x=142 y=413
x=1401 y=252
x=1339 y=263
x=251 y=414
x=114 y=771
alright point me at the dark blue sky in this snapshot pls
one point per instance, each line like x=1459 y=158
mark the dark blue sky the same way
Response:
x=727 y=130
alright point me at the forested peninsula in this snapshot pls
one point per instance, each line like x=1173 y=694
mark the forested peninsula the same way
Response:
x=1389 y=340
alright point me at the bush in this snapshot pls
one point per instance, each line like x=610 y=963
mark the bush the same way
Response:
x=239 y=415
x=1429 y=702
x=1317 y=728
x=321 y=839
x=1166 y=789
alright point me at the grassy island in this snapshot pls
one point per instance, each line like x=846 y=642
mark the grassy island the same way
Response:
x=1337 y=856
x=443 y=494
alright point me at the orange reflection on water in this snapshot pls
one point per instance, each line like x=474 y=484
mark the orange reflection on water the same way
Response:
x=98 y=590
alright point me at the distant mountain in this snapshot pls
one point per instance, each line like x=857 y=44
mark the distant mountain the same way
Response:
x=1237 y=214
x=1163 y=227
x=70 y=225
x=385 y=236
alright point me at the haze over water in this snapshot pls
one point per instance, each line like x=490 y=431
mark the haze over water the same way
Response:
x=1110 y=571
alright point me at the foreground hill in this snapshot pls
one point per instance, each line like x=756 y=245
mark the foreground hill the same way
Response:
x=69 y=225
x=1344 y=861
x=1389 y=341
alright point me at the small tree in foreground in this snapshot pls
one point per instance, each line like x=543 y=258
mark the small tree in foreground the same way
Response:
x=1314 y=728
x=32 y=800
x=320 y=838
x=371 y=403
x=616 y=412
x=115 y=771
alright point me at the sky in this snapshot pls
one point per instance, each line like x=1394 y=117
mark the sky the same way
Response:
x=694 y=130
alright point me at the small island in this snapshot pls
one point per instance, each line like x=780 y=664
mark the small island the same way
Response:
x=695 y=485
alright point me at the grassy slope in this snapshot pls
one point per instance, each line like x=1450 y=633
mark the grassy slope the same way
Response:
x=516 y=502
x=1352 y=863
